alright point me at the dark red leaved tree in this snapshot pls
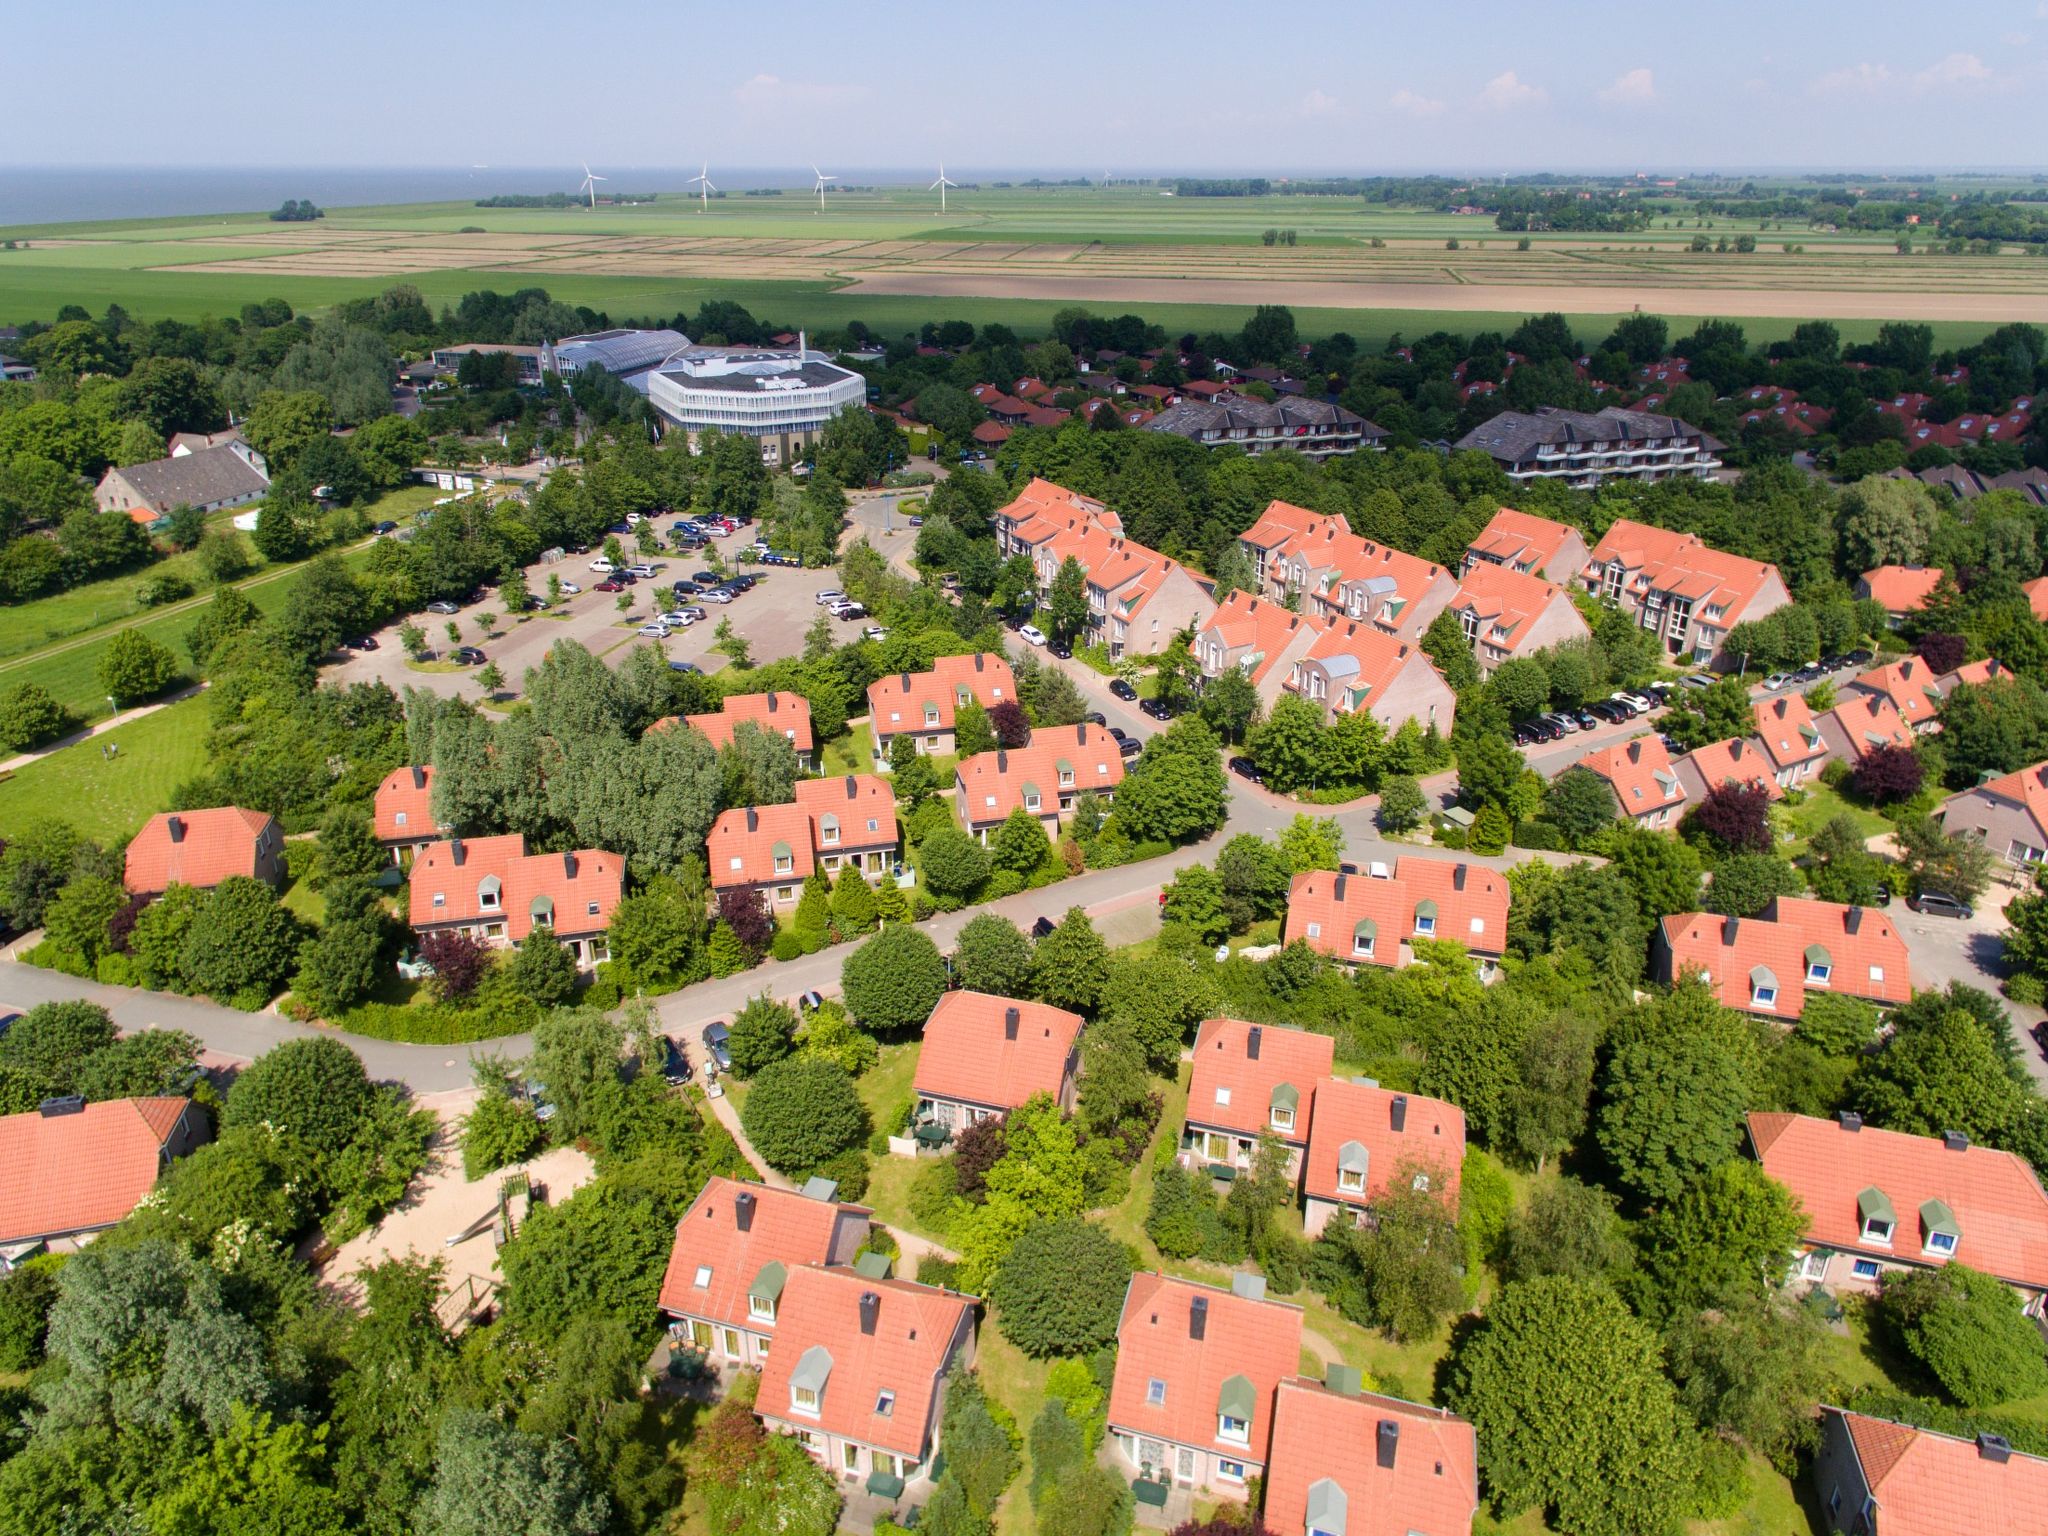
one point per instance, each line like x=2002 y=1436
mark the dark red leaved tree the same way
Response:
x=1887 y=775
x=1736 y=818
x=1011 y=725
x=1942 y=652
x=458 y=961
x=744 y=913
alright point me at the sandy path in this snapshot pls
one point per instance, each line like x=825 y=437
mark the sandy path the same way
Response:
x=1662 y=298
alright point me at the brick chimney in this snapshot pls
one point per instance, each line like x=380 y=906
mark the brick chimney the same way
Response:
x=870 y=1312
x=456 y=851
x=1252 y=1038
x=743 y=1211
x=176 y=827
x=1198 y=1318
x=1011 y=1017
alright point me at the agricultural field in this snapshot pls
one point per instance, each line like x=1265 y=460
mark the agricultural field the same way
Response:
x=884 y=256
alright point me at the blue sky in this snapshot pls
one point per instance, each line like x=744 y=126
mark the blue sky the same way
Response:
x=1355 y=85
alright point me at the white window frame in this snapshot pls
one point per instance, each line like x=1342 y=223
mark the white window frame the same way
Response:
x=1350 y=1181
x=1230 y=1471
x=1241 y=1435
x=1280 y=1124
x=798 y=1405
x=703 y=1277
x=1871 y=1236
x=1155 y=1393
x=1942 y=1243
x=761 y=1309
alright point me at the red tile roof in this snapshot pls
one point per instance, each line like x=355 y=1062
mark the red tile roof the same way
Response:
x=1641 y=775
x=1469 y=904
x=1431 y=1139
x=1232 y=1090
x=1908 y=683
x=785 y=714
x=1432 y=1487
x=1506 y=603
x=196 y=848
x=566 y=885
x=404 y=806
x=79 y=1172
x=906 y=1354
x=2037 y=596
x=1998 y=1205
x=785 y=1228
x=862 y=804
x=1521 y=540
x=1860 y=946
x=896 y=702
x=1258 y=1340
x=971 y=1055
x=1057 y=760
x=1901 y=588
x=756 y=844
x=1785 y=725
x=1867 y=720
x=1927 y=1484
x=1734 y=761
x=1665 y=561
x=1267 y=627
x=1341 y=571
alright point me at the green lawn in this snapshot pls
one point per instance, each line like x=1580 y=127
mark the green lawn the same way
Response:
x=1018 y=1384
x=1821 y=806
x=300 y=894
x=886 y=1084
x=109 y=799
x=852 y=753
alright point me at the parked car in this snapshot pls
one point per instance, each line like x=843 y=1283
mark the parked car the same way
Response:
x=1524 y=737
x=1246 y=769
x=689 y=667
x=1061 y=649
x=442 y=605
x=1031 y=634
x=570 y=589
x=1699 y=680
x=810 y=1002
x=675 y=1066
x=609 y=586
x=387 y=526
x=602 y=566
x=1122 y=690
x=644 y=572
x=361 y=643
x=1156 y=708
x=716 y=1036
x=1859 y=657
x=1118 y=733
x=1129 y=746
x=717 y=595
x=1039 y=929
x=1587 y=719
x=874 y=632
x=692 y=613
x=705 y=578
x=1778 y=682
x=917 y=522
x=655 y=631
x=1095 y=717
x=684 y=588
x=469 y=655
x=1939 y=904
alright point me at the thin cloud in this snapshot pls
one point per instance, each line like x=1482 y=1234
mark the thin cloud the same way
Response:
x=1855 y=80
x=1319 y=104
x=773 y=93
x=1631 y=89
x=1414 y=105
x=1505 y=92
x=1956 y=69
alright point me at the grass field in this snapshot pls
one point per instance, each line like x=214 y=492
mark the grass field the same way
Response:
x=889 y=259
x=108 y=799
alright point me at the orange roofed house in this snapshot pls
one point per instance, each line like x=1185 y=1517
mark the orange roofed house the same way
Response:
x=1790 y=738
x=921 y=705
x=1875 y=1476
x=984 y=1056
x=1363 y=1136
x=1138 y=599
x=2009 y=815
x=1197 y=1370
x=1646 y=786
x=1770 y=964
x=403 y=813
x=734 y=1250
x=858 y=1372
x=1535 y=546
x=1352 y=1463
x=1901 y=590
x=1340 y=575
x=1250 y=1081
x=848 y=819
x=1344 y=665
x=493 y=889
x=1737 y=760
x=203 y=848
x=1506 y=613
x=1044 y=777
x=1861 y=722
x=1686 y=594
x=1910 y=686
x=787 y=715
x=1883 y=1200
x=1375 y=918
x=73 y=1168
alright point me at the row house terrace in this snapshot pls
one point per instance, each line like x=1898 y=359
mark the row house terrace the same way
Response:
x=1376 y=917
x=1044 y=777
x=2008 y=814
x=1879 y=1201
x=983 y=1056
x=1738 y=761
x=492 y=889
x=402 y=814
x=1249 y=1081
x=1646 y=785
x=202 y=848
x=1534 y=546
x=922 y=705
x=1336 y=574
x=845 y=821
x=1769 y=965
x=1790 y=738
x=1042 y=509
x=1861 y=723
x=1344 y=666
x=1584 y=448
x=1350 y=1461
x=1873 y=1474
x=787 y=715
x=1685 y=593
x=1366 y=1140
x=1505 y=614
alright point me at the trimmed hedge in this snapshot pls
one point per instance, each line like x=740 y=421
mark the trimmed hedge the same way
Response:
x=437 y=1023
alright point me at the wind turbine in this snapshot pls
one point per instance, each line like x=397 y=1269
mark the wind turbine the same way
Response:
x=705 y=187
x=822 y=179
x=590 y=181
x=940 y=185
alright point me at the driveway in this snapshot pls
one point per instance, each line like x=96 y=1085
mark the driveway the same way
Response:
x=1972 y=951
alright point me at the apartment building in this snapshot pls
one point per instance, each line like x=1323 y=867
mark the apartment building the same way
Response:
x=1686 y=594
x=1582 y=449
x=1317 y=429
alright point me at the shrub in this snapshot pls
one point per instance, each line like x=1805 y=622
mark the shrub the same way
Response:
x=1887 y=775
x=1967 y=1329
x=1060 y=1289
x=459 y=961
x=29 y=717
x=764 y=1031
x=785 y=946
x=314 y=1089
x=933 y=1195
x=893 y=981
x=848 y=1170
x=801 y=1111
x=500 y=1131
x=1538 y=835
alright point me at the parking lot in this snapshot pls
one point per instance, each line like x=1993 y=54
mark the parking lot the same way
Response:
x=772 y=618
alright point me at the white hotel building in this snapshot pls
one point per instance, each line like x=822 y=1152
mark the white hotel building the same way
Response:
x=780 y=395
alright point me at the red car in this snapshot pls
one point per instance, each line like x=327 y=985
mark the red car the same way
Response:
x=608 y=586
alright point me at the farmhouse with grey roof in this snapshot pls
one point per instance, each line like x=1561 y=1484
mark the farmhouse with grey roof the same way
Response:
x=207 y=479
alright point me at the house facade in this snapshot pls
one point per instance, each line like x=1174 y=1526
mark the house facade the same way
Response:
x=1769 y=965
x=1584 y=448
x=1375 y=917
x=1364 y=1138
x=1873 y=1475
x=1506 y=613
x=1910 y=686
x=75 y=1169
x=1880 y=1201
x=1327 y=569
x=733 y=1253
x=1901 y=590
x=1045 y=777
x=1861 y=723
x=858 y=1373
x=1685 y=593
x=853 y=822
x=1647 y=789
x=921 y=705
x=492 y=889
x=1790 y=737
x=1317 y=429
x=403 y=813
x=203 y=848
x=1197 y=1371
x=1347 y=1462
x=1251 y=1081
x=2009 y=815
x=787 y=715
x=1532 y=546
x=1344 y=665
x=1737 y=761
x=984 y=1056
